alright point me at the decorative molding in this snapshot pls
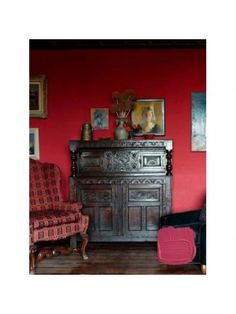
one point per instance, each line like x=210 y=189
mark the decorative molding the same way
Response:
x=115 y=181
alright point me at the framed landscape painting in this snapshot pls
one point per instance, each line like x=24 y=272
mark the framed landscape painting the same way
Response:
x=34 y=143
x=38 y=97
x=99 y=118
x=148 y=117
x=198 y=122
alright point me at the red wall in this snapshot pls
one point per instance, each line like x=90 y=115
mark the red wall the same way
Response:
x=81 y=79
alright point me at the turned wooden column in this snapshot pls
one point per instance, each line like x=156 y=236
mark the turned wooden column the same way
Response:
x=74 y=168
x=169 y=162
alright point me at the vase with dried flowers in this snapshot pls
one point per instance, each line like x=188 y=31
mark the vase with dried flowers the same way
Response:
x=122 y=104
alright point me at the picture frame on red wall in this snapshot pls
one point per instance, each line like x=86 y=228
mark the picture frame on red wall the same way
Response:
x=38 y=97
x=100 y=118
x=148 y=117
x=34 y=143
x=198 y=140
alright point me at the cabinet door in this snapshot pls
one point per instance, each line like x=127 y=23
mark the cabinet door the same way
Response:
x=142 y=210
x=99 y=202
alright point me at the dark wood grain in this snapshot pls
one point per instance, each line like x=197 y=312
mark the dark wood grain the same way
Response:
x=114 y=258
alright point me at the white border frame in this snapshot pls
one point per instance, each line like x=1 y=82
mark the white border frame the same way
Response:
x=36 y=155
x=92 y=111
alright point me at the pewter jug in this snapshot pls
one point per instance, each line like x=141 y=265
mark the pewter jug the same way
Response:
x=86 y=132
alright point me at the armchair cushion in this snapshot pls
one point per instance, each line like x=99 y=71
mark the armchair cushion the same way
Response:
x=54 y=232
x=52 y=217
x=176 y=245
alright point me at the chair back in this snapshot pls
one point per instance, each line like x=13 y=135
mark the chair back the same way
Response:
x=45 y=185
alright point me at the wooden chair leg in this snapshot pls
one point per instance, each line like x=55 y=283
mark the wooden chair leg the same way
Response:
x=33 y=250
x=73 y=243
x=84 y=237
x=203 y=268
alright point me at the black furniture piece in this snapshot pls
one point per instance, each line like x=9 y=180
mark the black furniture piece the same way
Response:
x=125 y=186
x=196 y=220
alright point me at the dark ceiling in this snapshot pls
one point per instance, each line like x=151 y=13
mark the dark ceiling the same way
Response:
x=115 y=43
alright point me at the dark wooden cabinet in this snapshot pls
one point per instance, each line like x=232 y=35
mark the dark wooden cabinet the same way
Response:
x=125 y=186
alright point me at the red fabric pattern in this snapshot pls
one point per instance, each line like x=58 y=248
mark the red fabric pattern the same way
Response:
x=45 y=185
x=176 y=246
x=55 y=232
x=50 y=217
x=67 y=206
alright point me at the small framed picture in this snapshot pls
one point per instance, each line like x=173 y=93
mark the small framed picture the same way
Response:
x=38 y=97
x=198 y=122
x=148 y=117
x=34 y=143
x=99 y=118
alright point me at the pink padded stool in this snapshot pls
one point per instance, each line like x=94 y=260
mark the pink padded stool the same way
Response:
x=176 y=246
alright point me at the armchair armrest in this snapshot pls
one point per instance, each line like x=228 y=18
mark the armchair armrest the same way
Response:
x=181 y=219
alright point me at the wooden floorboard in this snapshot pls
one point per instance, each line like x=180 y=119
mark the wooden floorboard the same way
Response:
x=113 y=258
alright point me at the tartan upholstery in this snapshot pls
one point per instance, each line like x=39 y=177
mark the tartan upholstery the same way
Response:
x=50 y=217
x=45 y=187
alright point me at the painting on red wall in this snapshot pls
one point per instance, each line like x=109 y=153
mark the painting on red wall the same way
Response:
x=148 y=117
x=38 y=97
x=99 y=118
x=34 y=143
x=198 y=122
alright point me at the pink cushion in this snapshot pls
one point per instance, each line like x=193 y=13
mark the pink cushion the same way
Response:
x=176 y=246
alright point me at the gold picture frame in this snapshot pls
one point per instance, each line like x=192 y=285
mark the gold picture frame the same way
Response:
x=38 y=97
x=145 y=110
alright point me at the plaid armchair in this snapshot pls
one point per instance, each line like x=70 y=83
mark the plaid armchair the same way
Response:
x=50 y=217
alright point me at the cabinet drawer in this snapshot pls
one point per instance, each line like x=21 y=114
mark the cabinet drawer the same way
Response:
x=113 y=161
x=98 y=196
x=144 y=195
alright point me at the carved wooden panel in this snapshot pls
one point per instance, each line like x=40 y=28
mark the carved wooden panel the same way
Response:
x=145 y=195
x=152 y=217
x=90 y=161
x=116 y=161
x=151 y=161
x=134 y=218
x=105 y=219
x=89 y=196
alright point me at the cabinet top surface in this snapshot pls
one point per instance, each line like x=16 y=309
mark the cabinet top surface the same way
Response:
x=74 y=144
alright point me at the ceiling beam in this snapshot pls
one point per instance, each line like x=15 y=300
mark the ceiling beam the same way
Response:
x=115 y=43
